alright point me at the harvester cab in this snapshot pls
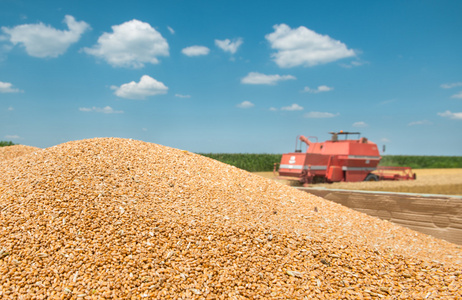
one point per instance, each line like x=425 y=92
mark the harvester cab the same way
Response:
x=339 y=159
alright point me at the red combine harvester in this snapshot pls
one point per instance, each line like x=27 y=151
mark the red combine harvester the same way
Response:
x=338 y=159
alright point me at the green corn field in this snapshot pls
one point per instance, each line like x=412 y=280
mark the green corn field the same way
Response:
x=265 y=162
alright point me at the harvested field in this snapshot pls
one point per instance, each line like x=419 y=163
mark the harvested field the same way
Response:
x=429 y=181
x=10 y=152
x=115 y=218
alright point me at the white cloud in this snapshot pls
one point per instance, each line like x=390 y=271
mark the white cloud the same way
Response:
x=195 y=51
x=131 y=44
x=4 y=49
x=305 y=47
x=451 y=115
x=360 y=124
x=450 y=85
x=182 y=96
x=458 y=96
x=355 y=63
x=320 y=115
x=292 y=107
x=385 y=140
x=147 y=86
x=6 y=87
x=386 y=102
x=104 y=110
x=228 y=45
x=453 y=85
x=246 y=104
x=423 y=122
x=320 y=89
x=13 y=137
x=42 y=40
x=171 y=30
x=11 y=108
x=259 y=78
x=273 y=109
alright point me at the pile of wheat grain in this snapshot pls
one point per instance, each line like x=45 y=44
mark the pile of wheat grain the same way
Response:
x=115 y=218
x=10 y=152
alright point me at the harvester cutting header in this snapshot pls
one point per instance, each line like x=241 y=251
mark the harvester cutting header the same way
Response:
x=338 y=159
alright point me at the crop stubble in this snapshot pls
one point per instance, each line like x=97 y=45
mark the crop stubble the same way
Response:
x=116 y=218
x=429 y=181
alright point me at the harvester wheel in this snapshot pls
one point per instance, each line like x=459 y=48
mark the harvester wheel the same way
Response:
x=371 y=177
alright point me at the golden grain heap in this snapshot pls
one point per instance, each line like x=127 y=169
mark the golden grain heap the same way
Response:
x=112 y=218
x=10 y=152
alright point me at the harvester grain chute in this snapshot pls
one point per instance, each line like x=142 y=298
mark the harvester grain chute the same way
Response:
x=338 y=159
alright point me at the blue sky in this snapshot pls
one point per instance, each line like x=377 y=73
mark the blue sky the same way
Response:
x=233 y=76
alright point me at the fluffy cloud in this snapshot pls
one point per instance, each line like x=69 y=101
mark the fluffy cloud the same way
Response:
x=131 y=44
x=6 y=87
x=182 y=96
x=354 y=63
x=42 y=40
x=147 y=86
x=386 y=102
x=423 y=122
x=10 y=108
x=320 y=89
x=104 y=110
x=245 y=104
x=320 y=115
x=453 y=85
x=458 y=96
x=451 y=115
x=292 y=107
x=171 y=30
x=228 y=45
x=195 y=51
x=360 y=124
x=305 y=47
x=450 y=85
x=259 y=78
